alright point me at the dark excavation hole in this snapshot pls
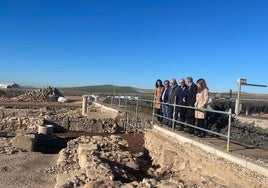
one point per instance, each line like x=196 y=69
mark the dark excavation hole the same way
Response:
x=144 y=161
x=50 y=144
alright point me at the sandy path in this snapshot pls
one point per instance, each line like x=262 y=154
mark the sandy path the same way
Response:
x=26 y=170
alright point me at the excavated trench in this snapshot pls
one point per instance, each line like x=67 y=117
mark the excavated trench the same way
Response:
x=159 y=160
x=53 y=144
x=72 y=126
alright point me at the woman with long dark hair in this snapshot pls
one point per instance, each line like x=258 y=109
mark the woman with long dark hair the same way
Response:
x=157 y=97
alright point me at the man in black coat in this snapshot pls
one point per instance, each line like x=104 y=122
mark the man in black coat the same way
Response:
x=183 y=91
x=173 y=99
x=164 y=98
x=190 y=101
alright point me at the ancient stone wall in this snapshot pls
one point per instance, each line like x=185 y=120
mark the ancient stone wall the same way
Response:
x=16 y=121
x=198 y=167
x=97 y=162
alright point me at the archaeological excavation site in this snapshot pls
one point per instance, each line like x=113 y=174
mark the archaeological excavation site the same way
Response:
x=49 y=140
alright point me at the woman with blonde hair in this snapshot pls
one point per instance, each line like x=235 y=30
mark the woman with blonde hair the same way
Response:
x=201 y=102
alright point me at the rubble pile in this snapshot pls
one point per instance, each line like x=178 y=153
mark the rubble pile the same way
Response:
x=23 y=121
x=104 y=162
x=40 y=95
x=248 y=133
x=7 y=148
x=46 y=94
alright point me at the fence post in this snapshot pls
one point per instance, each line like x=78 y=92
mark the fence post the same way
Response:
x=229 y=130
x=174 y=110
x=125 y=127
x=137 y=107
x=126 y=104
x=237 y=101
x=119 y=101
x=153 y=112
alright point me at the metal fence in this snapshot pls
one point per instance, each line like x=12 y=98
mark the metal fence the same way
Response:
x=140 y=106
x=243 y=82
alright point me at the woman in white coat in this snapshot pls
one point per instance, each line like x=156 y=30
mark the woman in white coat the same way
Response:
x=201 y=102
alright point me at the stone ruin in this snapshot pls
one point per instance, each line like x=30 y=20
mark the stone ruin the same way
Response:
x=105 y=162
x=96 y=161
x=68 y=119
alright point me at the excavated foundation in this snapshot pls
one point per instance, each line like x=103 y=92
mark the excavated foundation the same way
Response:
x=94 y=152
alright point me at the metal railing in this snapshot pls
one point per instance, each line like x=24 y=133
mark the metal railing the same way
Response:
x=137 y=102
x=243 y=82
x=229 y=114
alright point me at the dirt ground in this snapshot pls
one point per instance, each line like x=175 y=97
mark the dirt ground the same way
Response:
x=26 y=169
x=258 y=121
x=99 y=112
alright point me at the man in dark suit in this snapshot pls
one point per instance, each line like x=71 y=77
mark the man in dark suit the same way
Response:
x=190 y=101
x=164 y=97
x=183 y=90
x=173 y=99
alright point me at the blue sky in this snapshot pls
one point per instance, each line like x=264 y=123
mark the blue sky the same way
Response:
x=134 y=42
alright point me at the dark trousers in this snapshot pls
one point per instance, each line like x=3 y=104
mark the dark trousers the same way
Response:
x=159 y=113
x=171 y=113
x=182 y=116
x=191 y=120
x=201 y=124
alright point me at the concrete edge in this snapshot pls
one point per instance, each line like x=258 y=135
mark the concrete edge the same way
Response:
x=224 y=154
x=105 y=107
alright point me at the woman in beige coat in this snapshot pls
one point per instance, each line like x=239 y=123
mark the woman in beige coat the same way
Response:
x=157 y=97
x=201 y=102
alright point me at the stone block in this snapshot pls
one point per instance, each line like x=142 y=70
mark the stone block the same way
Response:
x=61 y=180
x=45 y=129
x=86 y=148
x=83 y=160
x=26 y=142
x=83 y=151
x=3 y=134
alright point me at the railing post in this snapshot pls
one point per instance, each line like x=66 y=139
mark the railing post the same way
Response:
x=125 y=127
x=126 y=104
x=229 y=130
x=174 y=110
x=119 y=101
x=237 y=101
x=153 y=112
x=137 y=107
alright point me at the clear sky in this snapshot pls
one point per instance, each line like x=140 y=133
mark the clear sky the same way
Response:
x=133 y=42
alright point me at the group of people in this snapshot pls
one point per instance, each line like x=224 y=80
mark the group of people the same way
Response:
x=187 y=93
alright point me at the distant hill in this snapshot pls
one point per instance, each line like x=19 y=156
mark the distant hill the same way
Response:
x=109 y=89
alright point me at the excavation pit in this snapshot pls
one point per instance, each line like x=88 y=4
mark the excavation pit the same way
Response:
x=121 y=160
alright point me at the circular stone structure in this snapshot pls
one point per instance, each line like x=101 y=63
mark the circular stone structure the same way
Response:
x=45 y=129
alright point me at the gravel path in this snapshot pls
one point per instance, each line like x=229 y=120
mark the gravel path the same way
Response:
x=26 y=169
